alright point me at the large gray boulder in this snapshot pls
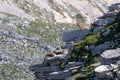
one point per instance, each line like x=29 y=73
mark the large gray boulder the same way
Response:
x=102 y=71
x=105 y=21
x=97 y=29
x=98 y=49
x=110 y=56
x=106 y=32
x=106 y=71
x=75 y=35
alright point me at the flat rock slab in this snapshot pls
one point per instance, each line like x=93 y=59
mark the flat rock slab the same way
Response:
x=75 y=35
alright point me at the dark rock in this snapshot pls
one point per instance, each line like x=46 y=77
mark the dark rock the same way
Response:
x=75 y=35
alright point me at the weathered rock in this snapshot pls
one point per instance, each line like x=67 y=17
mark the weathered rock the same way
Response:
x=109 y=14
x=98 y=49
x=106 y=71
x=75 y=35
x=104 y=22
x=114 y=7
x=110 y=56
x=97 y=29
x=54 y=58
x=73 y=64
x=106 y=32
x=69 y=45
x=59 y=75
x=49 y=48
x=110 y=65
x=118 y=74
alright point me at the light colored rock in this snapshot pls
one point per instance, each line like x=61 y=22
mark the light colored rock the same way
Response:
x=14 y=10
x=69 y=45
x=105 y=71
x=49 y=48
x=73 y=64
x=110 y=56
x=54 y=58
x=59 y=75
x=103 y=68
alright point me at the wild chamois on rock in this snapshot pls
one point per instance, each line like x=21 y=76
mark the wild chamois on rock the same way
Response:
x=82 y=26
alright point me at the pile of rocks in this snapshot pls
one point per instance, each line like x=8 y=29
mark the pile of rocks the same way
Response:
x=55 y=65
x=110 y=65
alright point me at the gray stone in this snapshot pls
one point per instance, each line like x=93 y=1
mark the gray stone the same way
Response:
x=74 y=35
x=117 y=36
x=105 y=21
x=97 y=29
x=106 y=32
x=98 y=49
x=105 y=71
x=110 y=56
x=49 y=48
x=59 y=75
x=73 y=64
x=118 y=75
x=109 y=14
x=54 y=58
x=69 y=45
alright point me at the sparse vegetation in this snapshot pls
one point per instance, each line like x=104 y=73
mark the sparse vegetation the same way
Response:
x=85 y=72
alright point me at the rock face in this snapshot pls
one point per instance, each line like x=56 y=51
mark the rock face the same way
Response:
x=25 y=24
x=75 y=35
x=102 y=47
x=110 y=65
x=110 y=56
x=56 y=67
x=63 y=11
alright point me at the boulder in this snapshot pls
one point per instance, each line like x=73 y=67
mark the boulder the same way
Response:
x=118 y=74
x=104 y=22
x=106 y=32
x=103 y=71
x=110 y=56
x=97 y=29
x=68 y=45
x=75 y=35
x=49 y=48
x=98 y=49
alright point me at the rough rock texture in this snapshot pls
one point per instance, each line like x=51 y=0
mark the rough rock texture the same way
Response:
x=75 y=35
x=110 y=64
x=26 y=26
x=102 y=47
x=110 y=56
x=62 y=10
x=56 y=67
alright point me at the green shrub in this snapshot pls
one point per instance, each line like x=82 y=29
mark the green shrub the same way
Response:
x=95 y=59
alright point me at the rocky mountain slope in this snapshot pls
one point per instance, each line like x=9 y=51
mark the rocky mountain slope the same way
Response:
x=64 y=11
x=77 y=59
x=28 y=25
